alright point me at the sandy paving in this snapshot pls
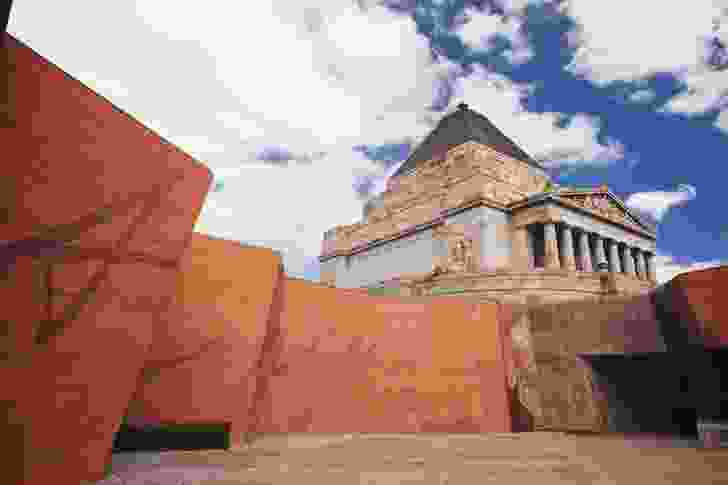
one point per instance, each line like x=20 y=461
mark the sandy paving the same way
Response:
x=539 y=458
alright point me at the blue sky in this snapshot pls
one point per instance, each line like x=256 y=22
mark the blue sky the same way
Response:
x=303 y=109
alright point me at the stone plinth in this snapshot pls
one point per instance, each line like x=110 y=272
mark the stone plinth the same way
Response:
x=546 y=285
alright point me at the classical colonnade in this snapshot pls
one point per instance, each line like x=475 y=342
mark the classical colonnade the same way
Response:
x=575 y=248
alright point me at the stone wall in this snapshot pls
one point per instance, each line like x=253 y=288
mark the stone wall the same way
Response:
x=469 y=172
x=419 y=252
x=552 y=381
x=545 y=285
x=410 y=254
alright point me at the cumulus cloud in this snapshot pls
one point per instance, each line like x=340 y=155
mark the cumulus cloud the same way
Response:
x=673 y=42
x=307 y=80
x=478 y=31
x=656 y=204
x=666 y=268
x=642 y=96
x=539 y=134
x=285 y=208
x=689 y=43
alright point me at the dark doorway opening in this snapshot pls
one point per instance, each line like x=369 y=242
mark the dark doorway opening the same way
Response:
x=164 y=437
x=647 y=393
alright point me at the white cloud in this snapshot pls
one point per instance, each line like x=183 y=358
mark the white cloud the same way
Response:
x=666 y=268
x=263 y=204
x=722 y=121
x=642 y=96
x=111 y=89
x=247 y=128
x=705 y=89
x=644 y=42
x=651 y=38
x=480 y=29
x=500 y=100
x=657 y=203
x=314 y=77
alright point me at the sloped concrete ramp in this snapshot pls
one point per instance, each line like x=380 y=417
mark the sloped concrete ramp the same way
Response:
x=463 y=459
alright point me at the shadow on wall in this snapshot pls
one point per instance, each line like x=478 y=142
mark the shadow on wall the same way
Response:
x=187 y=436
x=666 y=405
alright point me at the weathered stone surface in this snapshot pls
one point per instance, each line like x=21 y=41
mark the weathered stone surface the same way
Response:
x=437 y=459
x=549 y=339
x=468 y=172
x=549 y=285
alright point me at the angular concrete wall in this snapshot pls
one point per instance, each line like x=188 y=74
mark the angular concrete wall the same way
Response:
x=96 y=211
x=205 y=358
x=694 y=308
x=348 y=362
x=272 y=354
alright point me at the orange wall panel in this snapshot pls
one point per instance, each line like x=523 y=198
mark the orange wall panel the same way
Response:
x=205 y=356
x=91 y=200
x=349 y=362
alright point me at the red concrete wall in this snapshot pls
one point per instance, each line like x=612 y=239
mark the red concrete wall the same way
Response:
x=205 y=357
x=348 y=362
x=96 y=211
x=298 y=356
x=700 y=300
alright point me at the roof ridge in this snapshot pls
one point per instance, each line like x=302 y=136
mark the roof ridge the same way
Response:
x=457 y=128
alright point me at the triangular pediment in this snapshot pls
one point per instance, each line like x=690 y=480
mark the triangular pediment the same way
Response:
x=605 y=204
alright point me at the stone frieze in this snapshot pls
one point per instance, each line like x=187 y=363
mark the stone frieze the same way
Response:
x=604 y=206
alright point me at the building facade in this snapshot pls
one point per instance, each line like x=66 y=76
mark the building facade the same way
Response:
x=470 y=212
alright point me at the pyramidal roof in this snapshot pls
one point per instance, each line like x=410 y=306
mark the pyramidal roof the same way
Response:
x=461 y=126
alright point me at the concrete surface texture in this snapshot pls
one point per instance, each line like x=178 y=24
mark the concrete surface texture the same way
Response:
x=462 y=459
x=97 y=212
x=210 y=341
x=695 y=305
x=291 y=355
x=385 y=363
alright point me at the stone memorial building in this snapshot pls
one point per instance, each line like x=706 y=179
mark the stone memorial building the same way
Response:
x=471 y=212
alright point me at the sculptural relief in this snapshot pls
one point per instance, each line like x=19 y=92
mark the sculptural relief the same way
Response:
x=604 y=206
x=461 y=255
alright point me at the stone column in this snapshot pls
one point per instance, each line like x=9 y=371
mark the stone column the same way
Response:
x=640 y=267
x=567 y=248
x=598 y=251
x=650 y=262
x=586 y=262
x=521 y=254
x=628 y=261
x=614 y=263
x=551 y=246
